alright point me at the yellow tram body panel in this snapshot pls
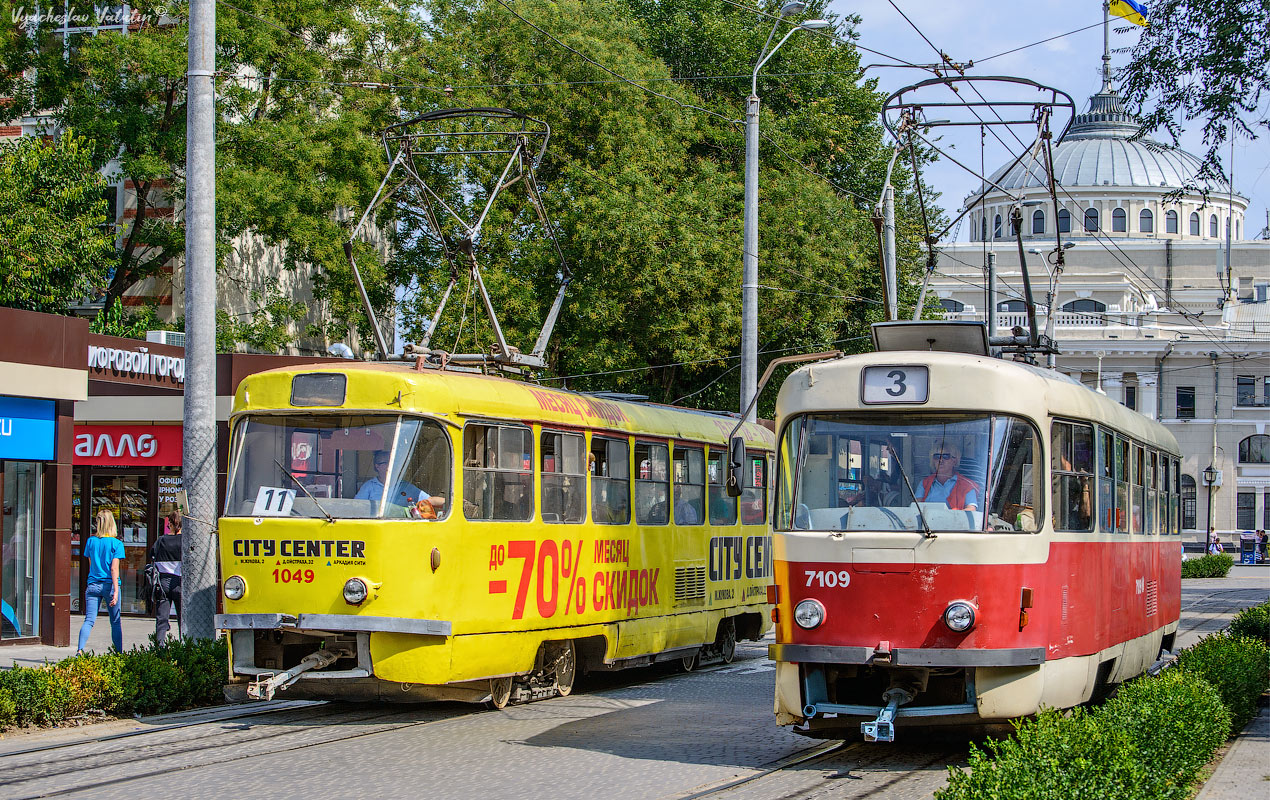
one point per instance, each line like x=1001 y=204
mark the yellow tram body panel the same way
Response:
x=454 y=600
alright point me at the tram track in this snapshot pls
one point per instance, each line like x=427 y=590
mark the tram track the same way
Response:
x=84 y=765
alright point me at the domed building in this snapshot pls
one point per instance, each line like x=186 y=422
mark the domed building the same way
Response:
x=1161 y=303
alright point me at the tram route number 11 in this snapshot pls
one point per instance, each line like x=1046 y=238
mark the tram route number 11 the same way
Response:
x=272 y=501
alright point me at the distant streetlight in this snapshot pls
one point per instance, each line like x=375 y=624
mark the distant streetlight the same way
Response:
x=749 y=277
x=1210 y=478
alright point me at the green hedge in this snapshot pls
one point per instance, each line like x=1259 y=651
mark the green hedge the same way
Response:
x=1213 y=565
x=1147 y=742
x=183 y=674
x=1252 y=623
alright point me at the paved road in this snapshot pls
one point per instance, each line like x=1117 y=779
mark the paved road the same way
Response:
x=641 y=734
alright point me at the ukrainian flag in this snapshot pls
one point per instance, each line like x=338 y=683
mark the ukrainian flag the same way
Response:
x=1129 y=9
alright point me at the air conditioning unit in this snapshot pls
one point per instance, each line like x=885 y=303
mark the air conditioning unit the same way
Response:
x=174 y=338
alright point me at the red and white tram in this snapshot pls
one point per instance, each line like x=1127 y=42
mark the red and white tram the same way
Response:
x=961 y=539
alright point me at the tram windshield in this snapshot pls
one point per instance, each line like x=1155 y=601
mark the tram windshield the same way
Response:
x=340 y=466
x=883 y=472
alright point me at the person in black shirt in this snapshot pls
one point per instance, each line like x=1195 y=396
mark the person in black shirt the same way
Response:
x=166 y=555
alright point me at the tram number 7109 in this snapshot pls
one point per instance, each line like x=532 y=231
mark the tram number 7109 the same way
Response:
x=828 y=579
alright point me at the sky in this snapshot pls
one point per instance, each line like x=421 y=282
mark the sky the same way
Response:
x=977 y=29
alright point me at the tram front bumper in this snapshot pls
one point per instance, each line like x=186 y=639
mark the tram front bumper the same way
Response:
x=336 y=623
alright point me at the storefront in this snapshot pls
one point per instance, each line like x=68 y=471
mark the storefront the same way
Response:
x=44 y=375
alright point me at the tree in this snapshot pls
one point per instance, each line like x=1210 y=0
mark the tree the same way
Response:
x=295 y=132
x=1207 y=61
x=646 y=186
x=55 y=245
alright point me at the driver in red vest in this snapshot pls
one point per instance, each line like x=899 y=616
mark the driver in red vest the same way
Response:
x=945 y=484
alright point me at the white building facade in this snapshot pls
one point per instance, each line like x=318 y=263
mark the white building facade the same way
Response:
x=1160 y=303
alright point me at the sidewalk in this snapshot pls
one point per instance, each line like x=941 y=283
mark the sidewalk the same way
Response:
x=136 y=631
x=1244 y=771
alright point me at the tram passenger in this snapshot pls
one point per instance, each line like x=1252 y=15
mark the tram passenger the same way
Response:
x=404 y=493
x=945 y=484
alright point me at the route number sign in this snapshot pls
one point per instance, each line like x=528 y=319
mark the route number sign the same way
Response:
x=898 y=384
x=273 y=502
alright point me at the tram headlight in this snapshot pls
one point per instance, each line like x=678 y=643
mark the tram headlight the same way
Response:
x=809 y=614
x=235 y=588
x=355 y=591
x=959 y=616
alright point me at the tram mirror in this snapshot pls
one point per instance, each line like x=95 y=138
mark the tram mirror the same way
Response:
x=736 y=466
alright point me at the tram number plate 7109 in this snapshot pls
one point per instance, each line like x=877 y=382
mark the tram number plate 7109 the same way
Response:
x=828 y=579
x=897 y=384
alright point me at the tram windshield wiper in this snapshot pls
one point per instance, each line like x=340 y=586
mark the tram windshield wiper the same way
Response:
x=899 y=462
x=305 y=489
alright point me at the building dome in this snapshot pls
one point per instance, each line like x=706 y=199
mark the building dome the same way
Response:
x=1098 y=151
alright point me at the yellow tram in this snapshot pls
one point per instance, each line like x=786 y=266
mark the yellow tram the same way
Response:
x=400 y=533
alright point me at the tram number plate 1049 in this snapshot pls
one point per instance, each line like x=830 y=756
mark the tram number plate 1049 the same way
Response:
x=899 y=384
x=272 y=501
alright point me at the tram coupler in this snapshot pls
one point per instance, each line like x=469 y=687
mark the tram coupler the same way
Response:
x=266 y=685
x=882 y=729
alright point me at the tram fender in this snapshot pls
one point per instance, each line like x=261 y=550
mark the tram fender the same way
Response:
x=1005 y=692
x=789 y=699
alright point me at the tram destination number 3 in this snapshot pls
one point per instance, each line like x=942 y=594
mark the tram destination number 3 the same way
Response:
x=895 y=384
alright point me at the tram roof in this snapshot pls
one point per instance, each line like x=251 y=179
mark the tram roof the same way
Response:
x=961 y=382
x=388 y=387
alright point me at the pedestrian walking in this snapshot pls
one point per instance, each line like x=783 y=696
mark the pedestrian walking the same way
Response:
x=104 y=551
x=165 y=554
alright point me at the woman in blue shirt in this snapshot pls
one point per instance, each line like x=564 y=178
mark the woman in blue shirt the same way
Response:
x=103 y=551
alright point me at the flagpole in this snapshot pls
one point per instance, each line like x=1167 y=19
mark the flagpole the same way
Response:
x=1106 y=46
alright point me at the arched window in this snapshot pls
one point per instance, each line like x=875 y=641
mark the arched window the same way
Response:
x=1038 y=221
x=996 y=227
x=1188 y=503
x=1014 y=228
x=1255 y=449
x=1236 y=230
x=1064 y=221
x=1091 y=219
x=1118 y=224
x=949 y=304
x=1012 y=307
x=1170 y=222
x=1194 y=223
x=1085 y=304
x=983 y=229
x=1212 y=226
x=1146 y=221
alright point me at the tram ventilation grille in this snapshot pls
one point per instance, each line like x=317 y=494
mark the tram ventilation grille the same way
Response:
x=690 y=585
x=1152 y=598
x=1064 y=605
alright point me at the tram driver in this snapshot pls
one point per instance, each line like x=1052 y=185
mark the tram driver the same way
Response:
x=404 y=494
x=945 y=484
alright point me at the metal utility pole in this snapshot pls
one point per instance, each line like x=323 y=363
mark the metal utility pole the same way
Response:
x=992 y=293
x=749 y=273
x=198 y=546
x=888 y=253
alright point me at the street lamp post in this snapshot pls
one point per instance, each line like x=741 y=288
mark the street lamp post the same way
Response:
x=1210 y=477
x=749 y=277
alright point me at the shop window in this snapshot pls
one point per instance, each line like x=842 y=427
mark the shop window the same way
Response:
x=1118 y=221
x=563 y=477
x=1170 y=222
x=20 y=540
x=689 y=467
x=721 y=508
x=498 y=478
x=652 y=484
x=1186 y=402
x=610 y=481
x=1255 y=449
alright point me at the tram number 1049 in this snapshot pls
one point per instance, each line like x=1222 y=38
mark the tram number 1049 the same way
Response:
x=828 y=578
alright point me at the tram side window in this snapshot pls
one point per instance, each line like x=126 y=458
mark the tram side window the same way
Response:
x=1072 y=463
x=753 y=500
x=1122 y=485
x=610 y=481
x=652 y=484
x=689 y=467
x=1151 y=463
x=1175 y=499
x=498 y=472
x=1016 y=501
x=722 y=509
x=1136 y=481
x=1106 y=481
x=563 y=478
